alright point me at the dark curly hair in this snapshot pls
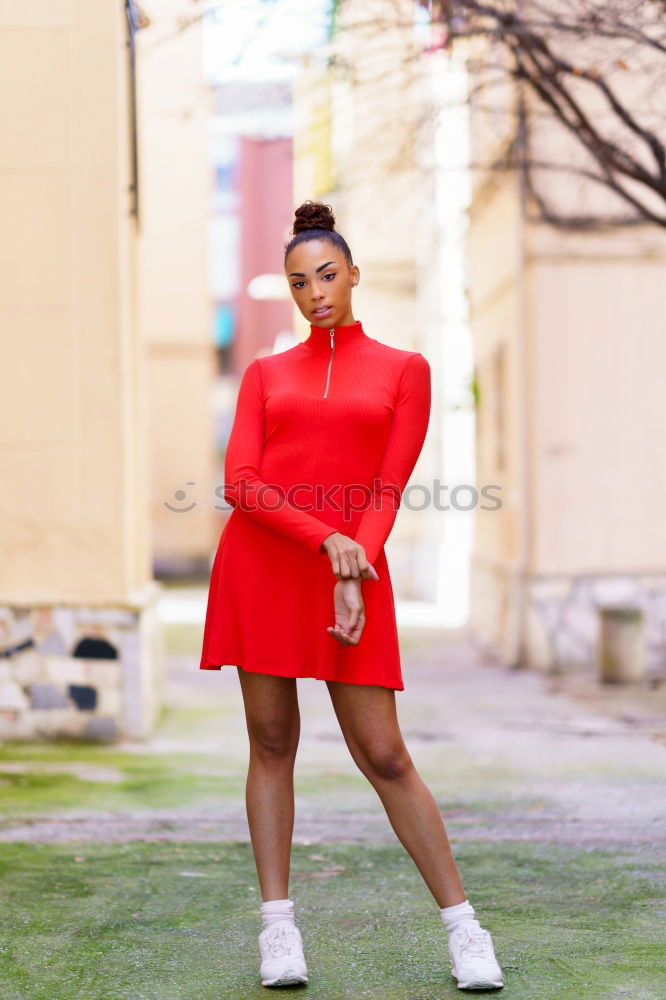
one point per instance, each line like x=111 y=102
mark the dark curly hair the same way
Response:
x=313 y=220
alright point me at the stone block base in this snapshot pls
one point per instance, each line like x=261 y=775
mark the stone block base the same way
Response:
x=561 y=616
x=81 y=672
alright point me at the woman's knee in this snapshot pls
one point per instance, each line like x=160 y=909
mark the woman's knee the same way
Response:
x=274 y=740
x=386 y=762
x=271 y=714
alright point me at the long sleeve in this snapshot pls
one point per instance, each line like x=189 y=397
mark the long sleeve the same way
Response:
x=408 y=430
x=241 y=471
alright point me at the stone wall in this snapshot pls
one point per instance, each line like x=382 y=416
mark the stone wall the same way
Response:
x=91 y=673
x=562 y=616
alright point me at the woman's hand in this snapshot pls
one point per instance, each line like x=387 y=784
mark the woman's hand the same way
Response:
x=348 y=558
x=349 y=612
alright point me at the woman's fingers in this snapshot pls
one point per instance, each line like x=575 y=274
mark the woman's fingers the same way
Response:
x=349 y=634
x=335 y=632
x=345 y=568
x=342 y=637
x=349 y=565
x=358 y=570
x=348 y=560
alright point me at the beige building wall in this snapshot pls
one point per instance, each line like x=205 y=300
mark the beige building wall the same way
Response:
x=75 y=582
x=175 y=302
x=569 y=346
x=71 y=364
x=495 y=275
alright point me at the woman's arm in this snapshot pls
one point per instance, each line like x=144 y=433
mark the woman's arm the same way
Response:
x=406 y=437
x=241 y=471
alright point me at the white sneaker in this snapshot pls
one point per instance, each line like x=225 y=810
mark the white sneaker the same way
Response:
x=282 y=959
x=473 y=961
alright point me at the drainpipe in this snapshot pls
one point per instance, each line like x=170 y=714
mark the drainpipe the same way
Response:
x=520 y=588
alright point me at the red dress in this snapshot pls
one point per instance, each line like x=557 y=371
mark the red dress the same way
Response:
x=325 y=437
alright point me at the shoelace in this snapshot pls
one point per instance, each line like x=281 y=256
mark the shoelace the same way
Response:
x=475 y=942
x=281 y=938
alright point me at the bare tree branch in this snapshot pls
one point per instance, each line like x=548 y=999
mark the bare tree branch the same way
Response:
x=583 y=67
x=625 y=147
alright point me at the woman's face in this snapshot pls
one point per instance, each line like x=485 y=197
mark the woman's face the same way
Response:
x=321 y=281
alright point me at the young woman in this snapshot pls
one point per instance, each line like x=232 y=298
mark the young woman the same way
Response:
x=324 y=439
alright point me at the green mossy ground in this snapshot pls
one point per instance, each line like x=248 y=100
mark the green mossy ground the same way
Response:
x=179 y=922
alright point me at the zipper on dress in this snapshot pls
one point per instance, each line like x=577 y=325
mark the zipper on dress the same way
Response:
x=330 y=360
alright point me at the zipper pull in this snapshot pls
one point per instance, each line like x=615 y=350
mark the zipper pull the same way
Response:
x=330 y=360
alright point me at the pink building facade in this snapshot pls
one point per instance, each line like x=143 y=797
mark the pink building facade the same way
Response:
x=266 y=214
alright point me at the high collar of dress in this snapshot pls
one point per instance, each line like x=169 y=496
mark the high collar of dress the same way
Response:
x=343 y=336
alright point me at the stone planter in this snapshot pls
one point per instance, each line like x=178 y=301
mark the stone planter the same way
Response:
x=621 y=651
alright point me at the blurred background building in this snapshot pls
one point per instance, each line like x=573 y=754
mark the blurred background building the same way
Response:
x=155 y=154
x=79 y=632
x=176 y=308
x=565 y=284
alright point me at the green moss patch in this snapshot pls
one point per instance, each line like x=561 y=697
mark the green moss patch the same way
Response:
x=180 y=921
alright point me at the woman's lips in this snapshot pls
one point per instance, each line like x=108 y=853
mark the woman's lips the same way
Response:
x=322 y=312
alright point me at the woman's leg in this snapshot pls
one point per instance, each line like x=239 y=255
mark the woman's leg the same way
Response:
x=273 y=726
x=369 y=723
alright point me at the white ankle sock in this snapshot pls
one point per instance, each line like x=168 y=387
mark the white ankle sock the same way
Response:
x=453 y=916
x=277 y=909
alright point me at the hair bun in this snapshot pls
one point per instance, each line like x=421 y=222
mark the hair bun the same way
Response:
x=313 y=215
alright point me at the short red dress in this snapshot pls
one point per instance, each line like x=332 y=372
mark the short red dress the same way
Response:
x=325 y=437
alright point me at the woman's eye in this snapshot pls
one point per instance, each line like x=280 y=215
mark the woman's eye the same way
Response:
x=297 y=284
